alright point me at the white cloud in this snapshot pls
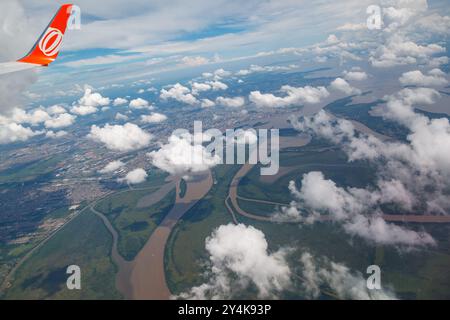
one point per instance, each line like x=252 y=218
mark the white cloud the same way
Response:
x=101 y=60
x=119 y=102
x=400 y=51
x=240 y=257
x=399 y=13
x=180 y=93
x=405 y=170
x=83 y=110
x=56 y=135
x=89 y=103
x=153 y=118
x=194 y=61
x=435 y=78
x=221 y=73
x=293 y=96
x=200 y=87
x=139 y=103
x=33 y=117
x=235 y=102
x=355 y=75
x=341 y=85
x=13 y=132
x=60 y=121
x=339 y=278
x=93 y=99
x=217 y=85
x=435 y=23
x=206 y=103
x=209 y=85
x=135 y=177
x=56 y=109
x=181 y=157
x=352 y=27
x=355 y=209
x=246 y=136
x=332 y=39
x=112 y=166
x=121 y=117
x=125 y=137
x=256 y=68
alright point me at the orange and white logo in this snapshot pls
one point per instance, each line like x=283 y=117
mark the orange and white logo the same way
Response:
x=51 y=42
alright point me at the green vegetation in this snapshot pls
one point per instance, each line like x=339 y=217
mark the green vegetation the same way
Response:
x=31 y=171
x=361 y=113
x=185 y=249
x=317 y=156
x=419 y=274
x=134 y=224
x=84 y=242
x=11 y=253
x=156 y=177
x=261 y=209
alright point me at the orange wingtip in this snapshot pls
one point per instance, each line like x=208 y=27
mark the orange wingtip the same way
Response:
x=46 y=49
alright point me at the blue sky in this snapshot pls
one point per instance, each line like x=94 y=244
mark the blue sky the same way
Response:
x=125 y=40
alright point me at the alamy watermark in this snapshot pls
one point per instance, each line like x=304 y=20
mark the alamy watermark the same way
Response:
x=240 y=147
x=74 y=280
x=374 y=280
x=74 y=22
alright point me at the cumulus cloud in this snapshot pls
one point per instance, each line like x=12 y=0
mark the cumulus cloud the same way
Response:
x=83 y=110
x=60 y=121
x=246 y=137
x=256 y=68
x=399 y=13
x=194 y=61
x=119 y=102
x=355 y=75
x=33 y=117
x=341 y=85
x=55 y=109
x=200 y=87
x=139 y=103
x=405 y=170
x=112 y=166
x=154 y=118
x=179 y=93
x=121 y=117
x=125 y=137
x=206 y=103
x=400 y=51
x=355 y=209
x=15 y=39
x=293 y=96
x=89 y=103
x=13 y=132
x=235 y=102
x=56 y=135
x=339 y=278
x=217 y=85
x=435 y=78
x=135 y=177
x=180 y=156
x=239 y=257
x=352 y=27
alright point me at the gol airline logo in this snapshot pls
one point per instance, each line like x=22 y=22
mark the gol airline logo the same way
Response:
x=51 y=42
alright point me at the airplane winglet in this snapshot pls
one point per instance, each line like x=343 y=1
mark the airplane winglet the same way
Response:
x=46 y=49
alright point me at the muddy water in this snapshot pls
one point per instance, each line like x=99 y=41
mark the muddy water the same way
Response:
x=147 y=277
x=144 y=277
x=124 y=267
